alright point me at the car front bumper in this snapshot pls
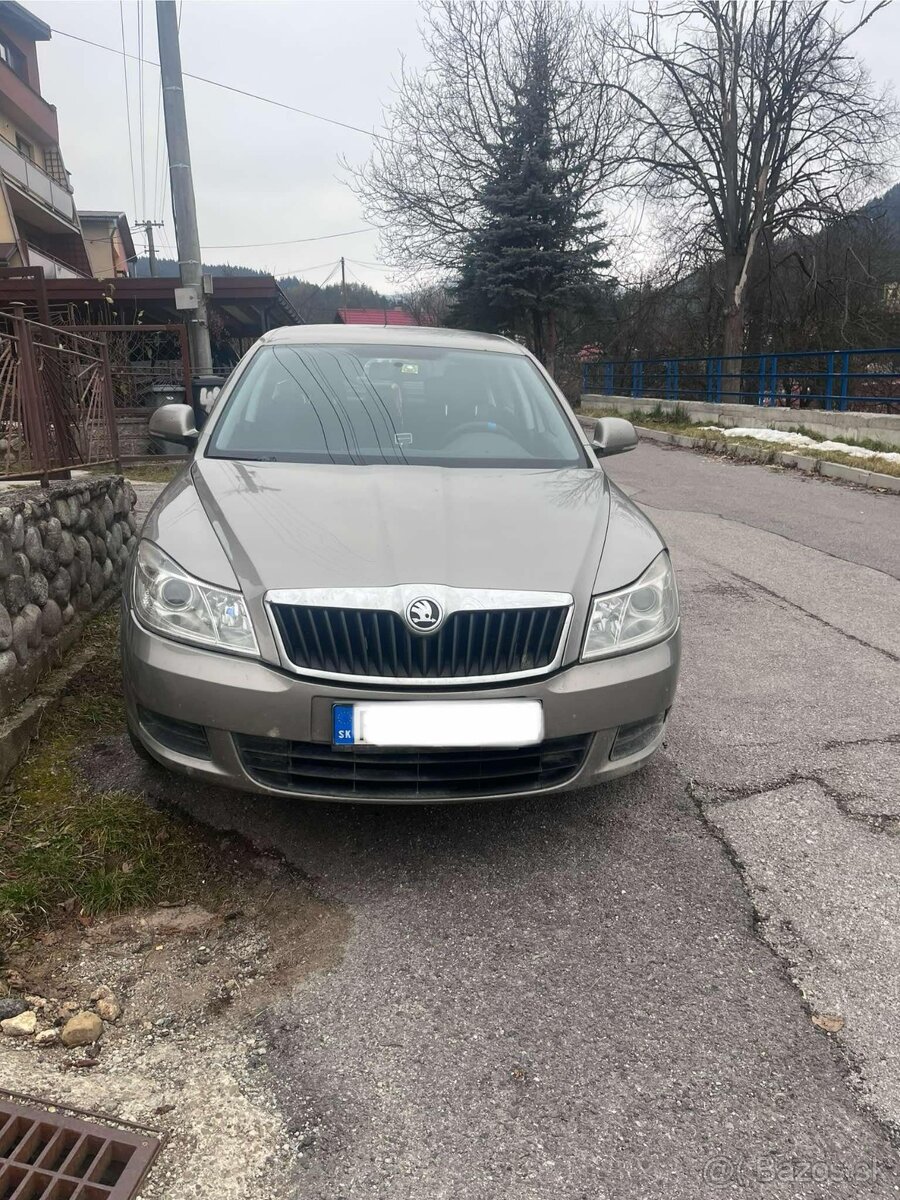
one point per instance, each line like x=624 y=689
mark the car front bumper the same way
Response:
x=229 y=696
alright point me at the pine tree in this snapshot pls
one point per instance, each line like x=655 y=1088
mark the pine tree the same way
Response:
x=533 y=253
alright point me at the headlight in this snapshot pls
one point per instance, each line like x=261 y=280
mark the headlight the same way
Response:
x=638 y=615
x=172 y=602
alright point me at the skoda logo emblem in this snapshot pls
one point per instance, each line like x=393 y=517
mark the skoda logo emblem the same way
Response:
x=424 y=615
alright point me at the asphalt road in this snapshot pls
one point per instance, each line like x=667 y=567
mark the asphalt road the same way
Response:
x=609 y=995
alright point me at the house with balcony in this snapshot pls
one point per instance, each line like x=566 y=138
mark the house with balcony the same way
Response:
x=110 y=245
x=39 y=224
x=84 y=258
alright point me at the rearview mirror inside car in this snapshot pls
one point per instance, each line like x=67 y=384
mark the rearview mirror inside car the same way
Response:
x=174 y=423
x=613 y=435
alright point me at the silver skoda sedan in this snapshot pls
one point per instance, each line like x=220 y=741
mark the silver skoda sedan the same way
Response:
x=395 y=570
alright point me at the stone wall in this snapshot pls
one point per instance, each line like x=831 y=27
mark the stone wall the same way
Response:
x=134 y=435
x=135 y=440
x=62 y=554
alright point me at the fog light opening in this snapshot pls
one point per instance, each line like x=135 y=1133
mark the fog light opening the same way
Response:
x=181 y=736
x=631 y=739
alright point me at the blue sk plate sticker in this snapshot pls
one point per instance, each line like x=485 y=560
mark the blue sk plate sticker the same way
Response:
x=342 y=725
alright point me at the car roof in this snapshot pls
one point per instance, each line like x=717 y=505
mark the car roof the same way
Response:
x=390 y=335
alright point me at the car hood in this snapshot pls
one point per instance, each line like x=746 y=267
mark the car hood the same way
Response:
x=288 y=525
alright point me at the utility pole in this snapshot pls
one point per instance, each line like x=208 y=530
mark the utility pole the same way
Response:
x=148 y=227
x=343 y=287
x=184 y=208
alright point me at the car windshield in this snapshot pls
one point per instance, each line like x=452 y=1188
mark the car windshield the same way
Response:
x=421 y=405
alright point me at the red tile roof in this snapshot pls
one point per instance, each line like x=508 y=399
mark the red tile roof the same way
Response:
x=374 y=316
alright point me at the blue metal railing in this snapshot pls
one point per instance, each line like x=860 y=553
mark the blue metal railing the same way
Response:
x=842 y=379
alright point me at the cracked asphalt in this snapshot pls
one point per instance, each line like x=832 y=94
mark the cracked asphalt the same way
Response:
x=608 y=996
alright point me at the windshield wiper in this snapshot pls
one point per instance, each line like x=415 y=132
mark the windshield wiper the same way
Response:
x=238 y=456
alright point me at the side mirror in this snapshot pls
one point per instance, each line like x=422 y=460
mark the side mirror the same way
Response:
x=613 y=435
x=174 y=423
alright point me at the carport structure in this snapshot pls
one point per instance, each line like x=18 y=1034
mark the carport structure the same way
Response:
x=242 y=307
x=145 y=331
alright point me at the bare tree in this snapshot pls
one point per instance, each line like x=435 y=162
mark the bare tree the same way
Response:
x=756 y=121
x=449 y=127
x=429 y=303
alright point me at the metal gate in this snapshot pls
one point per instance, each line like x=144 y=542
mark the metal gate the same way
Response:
x=56 y=408
x=147 y=362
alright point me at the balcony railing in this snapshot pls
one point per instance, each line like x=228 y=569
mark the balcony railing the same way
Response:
x=54 y=268
x=36 y=182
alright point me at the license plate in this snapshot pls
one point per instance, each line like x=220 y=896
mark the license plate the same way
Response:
x=438 y=723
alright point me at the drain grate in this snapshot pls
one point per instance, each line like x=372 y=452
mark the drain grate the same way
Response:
x=53 y=1156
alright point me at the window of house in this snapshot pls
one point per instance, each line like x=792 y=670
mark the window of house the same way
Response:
x=24 y=146
x=13 y=57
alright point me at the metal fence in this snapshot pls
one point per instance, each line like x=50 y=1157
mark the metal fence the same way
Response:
x=56 y=401
x=867 y=380
x=148 y=363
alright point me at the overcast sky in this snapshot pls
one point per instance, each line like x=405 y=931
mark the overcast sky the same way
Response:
x=261 y=174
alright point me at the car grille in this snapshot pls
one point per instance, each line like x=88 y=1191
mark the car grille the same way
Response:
x=318 y=769
x=377 y=643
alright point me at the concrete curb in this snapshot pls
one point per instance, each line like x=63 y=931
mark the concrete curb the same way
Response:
x=18 y=729
x=767 y=457
x=781 y=458
x=23 y=723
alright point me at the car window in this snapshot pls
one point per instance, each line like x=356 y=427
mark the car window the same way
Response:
x=394 y=404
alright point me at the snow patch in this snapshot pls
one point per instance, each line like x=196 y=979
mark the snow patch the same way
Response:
x=801 y=442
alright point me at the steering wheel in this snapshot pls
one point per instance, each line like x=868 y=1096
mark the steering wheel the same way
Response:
x=485 y=427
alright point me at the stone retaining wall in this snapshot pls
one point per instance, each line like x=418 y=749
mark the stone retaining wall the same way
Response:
x=62 y=554
x=135 y=440
x=134 y=436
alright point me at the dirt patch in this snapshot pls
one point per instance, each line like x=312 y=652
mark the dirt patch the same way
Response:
x=166 y=941
x=73 y=845
x=188 y=1052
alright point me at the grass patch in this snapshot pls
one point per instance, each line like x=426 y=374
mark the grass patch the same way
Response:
x=676 y=421
x=145 y=472
x=865 y=443
x=151 y=472
x=881 y=465
x=63 y=845
x=678 y=417
x=660 y=418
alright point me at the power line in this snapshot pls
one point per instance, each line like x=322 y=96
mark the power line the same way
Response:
x=380 y=137
x=279 y=273
x=323 y=237
x=307 y=300
x=318 y=267
x=353 y=275
x=369 y=266
x=127 y=102
x=297 y=270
